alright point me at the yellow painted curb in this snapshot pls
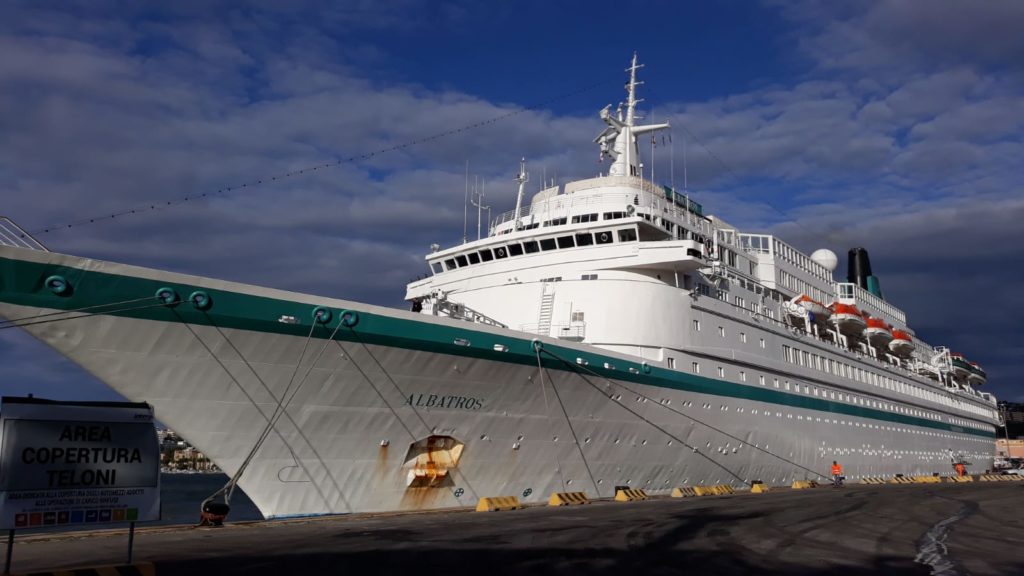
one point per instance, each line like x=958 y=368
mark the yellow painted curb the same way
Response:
x=683 y=492
x=630 y=495
x=497 y=503
x=803 y=484
x=567 y=498
x=759 y=488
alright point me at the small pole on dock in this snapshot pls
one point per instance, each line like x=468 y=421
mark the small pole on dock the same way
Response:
x=10 y=551
x=131 y=540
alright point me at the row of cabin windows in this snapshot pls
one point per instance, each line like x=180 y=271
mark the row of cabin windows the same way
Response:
x=811 y=360
x=838 y=368
x=534 y=246
x=580 y=219
x=583 y=218
x=830 y=394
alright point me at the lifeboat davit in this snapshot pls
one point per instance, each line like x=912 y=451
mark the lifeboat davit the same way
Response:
x=901 y=344
x=878 y=332
x=819 y=310
x=848 y=319
x=977 y=377
x=961 y=368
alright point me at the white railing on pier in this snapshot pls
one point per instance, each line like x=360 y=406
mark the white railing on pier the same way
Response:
x=15 y=236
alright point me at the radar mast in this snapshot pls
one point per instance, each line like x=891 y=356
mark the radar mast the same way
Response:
x=619 y=139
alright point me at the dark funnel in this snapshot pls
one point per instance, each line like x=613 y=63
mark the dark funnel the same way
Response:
x=859 y=271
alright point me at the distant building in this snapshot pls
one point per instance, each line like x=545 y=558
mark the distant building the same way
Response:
x=1010 y=448
x=1013 y=413
x=178 y=455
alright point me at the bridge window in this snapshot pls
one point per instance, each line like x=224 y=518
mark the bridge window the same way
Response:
x=436 y=267
x=547 y=244
x=486 y=255
x=515 y=249
x=584 y=239
x=500 y=252
x=461 y=259
x=555 y=222
x=603 y=237
x=474 y=258
x=449 y=264
x=627 y=235
x=531 y=247
x=614 y=215
x=580 y=218
x=565 y=242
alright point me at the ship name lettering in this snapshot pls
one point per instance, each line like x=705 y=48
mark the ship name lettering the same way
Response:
x=453 y=402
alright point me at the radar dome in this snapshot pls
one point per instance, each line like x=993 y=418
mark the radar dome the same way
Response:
x=826 y=258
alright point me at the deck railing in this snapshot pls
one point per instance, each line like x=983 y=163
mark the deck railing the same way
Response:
x=641 y=194
x=15 y=236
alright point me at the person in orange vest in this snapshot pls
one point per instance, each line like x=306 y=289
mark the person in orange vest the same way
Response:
x=961 y=470
x=837 y=473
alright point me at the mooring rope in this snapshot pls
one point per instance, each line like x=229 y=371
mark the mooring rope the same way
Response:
x=577 y=367
x=575 y=438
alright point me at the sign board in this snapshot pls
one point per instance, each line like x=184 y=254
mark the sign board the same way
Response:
x=77 y=463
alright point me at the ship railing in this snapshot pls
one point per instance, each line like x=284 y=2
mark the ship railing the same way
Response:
x=849 y=293
x=15 y=236
x=641 y=194
x=575 y=332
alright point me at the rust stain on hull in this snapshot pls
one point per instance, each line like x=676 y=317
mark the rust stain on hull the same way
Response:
x=422 y=498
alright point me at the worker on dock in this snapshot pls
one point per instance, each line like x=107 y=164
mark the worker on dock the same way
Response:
x=837 y=474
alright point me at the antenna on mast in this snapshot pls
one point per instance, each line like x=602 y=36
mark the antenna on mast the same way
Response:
x=465 y=207
x=631 y=88
x=619 y=140
x=479 y=203
x=522 y=178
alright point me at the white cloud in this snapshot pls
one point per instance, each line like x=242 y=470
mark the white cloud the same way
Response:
x=891 y=139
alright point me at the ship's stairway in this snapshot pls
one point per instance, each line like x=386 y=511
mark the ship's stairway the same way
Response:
x=547 y=306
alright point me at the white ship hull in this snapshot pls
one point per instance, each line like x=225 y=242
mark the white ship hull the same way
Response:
x=363 y=395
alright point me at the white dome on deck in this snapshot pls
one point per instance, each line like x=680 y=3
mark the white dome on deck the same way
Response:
x=826 y=258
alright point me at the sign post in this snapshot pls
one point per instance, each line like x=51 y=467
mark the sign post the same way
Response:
x=77 y=465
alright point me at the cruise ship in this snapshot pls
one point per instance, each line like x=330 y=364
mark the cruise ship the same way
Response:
x=607 y=332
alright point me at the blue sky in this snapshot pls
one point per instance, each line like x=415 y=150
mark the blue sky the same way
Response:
x=893 y=125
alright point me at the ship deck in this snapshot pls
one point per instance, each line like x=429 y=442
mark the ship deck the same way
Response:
x=856 y=530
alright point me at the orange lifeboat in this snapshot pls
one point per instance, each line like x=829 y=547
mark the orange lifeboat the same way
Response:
x=902 y=344
x=819 y=310
x=847 y=319
x=878 y=332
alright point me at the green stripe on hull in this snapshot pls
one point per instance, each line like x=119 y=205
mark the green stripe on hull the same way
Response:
x=23 y=283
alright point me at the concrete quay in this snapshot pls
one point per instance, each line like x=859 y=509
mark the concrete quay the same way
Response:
x=961 y=529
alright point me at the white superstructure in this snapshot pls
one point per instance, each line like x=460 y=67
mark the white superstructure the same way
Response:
x=607 y=333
